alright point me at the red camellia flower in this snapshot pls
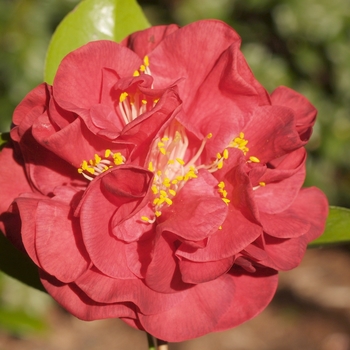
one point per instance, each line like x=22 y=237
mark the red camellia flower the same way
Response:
x=157 y=181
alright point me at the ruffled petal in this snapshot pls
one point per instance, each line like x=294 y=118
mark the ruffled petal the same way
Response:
x=76 y=91
x=109 y=191
x=163 y=274
x=305 y=112
x=199 y=272
x=58 y=241
x=104 y=289
x=13 y=179
x=236 y=233
x=241 y=298
x=282 y=184
x=271 y=133
x=75 y=301
x=145 y=41
x=203 y=213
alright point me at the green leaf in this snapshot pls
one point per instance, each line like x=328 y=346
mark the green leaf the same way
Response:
x=337 y=228
x=17 y=265
x=4 y=137
x=92 y=20
x=18 y=322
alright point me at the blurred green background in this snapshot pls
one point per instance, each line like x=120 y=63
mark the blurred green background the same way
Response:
x=304 y=44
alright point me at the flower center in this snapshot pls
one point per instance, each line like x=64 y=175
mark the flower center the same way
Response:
x=134 y=102
x=167 y=161
x=171 y=172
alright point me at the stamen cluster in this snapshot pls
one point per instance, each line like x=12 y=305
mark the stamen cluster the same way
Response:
x=98 y=165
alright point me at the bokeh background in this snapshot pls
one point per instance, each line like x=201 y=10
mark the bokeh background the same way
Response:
x=303 y=44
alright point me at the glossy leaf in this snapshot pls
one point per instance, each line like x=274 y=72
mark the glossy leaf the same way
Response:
x=4 y=137
x=93 y=20
x=337 y=228
x=17 y=265
x=18 y=322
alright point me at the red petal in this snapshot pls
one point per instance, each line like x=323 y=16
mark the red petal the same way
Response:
x=86 y=144
x=282 y=184
x=104 y=289
x=199 y=272
x=236 y=233
x=315 y=204
x=13 y=180
x=181 y=55
x=305 y=112
x=74 y=89
x=203 y=213
x=27 y=209
x=271 y=133
x=162 y=273
x=105 y=194
x=213 y=306
x=145 y=41
x=75 y=301
x=58 y=242
x=31 y=107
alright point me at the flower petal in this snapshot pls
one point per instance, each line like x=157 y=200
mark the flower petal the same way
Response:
x=236 y=233
x=75 y=301
x=13 y=179
x=199 y=272
x=305 y=112
x=241 y=297
x=204 y=211
x=76 y=91
x=282 y=184
x=104 y=289
x=271 y=133
x=58 y=242
x=145 y=41
x=110 y=190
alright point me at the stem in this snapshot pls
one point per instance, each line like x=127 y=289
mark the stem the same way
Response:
x=156 y=344
x=150 y=342
x=161 y=344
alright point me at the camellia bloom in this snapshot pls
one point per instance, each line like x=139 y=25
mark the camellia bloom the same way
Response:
x=157 y=181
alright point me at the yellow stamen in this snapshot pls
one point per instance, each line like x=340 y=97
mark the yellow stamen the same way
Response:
x=136 y=73
x=254 y=159
x=150 y=166
x=123 y=96
x=262 y=184
x=221 y=184
x=146 y=61
x=180 y=161
x=172 y=192
x=145 y=218
x=168 y=201
x=226 y=200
